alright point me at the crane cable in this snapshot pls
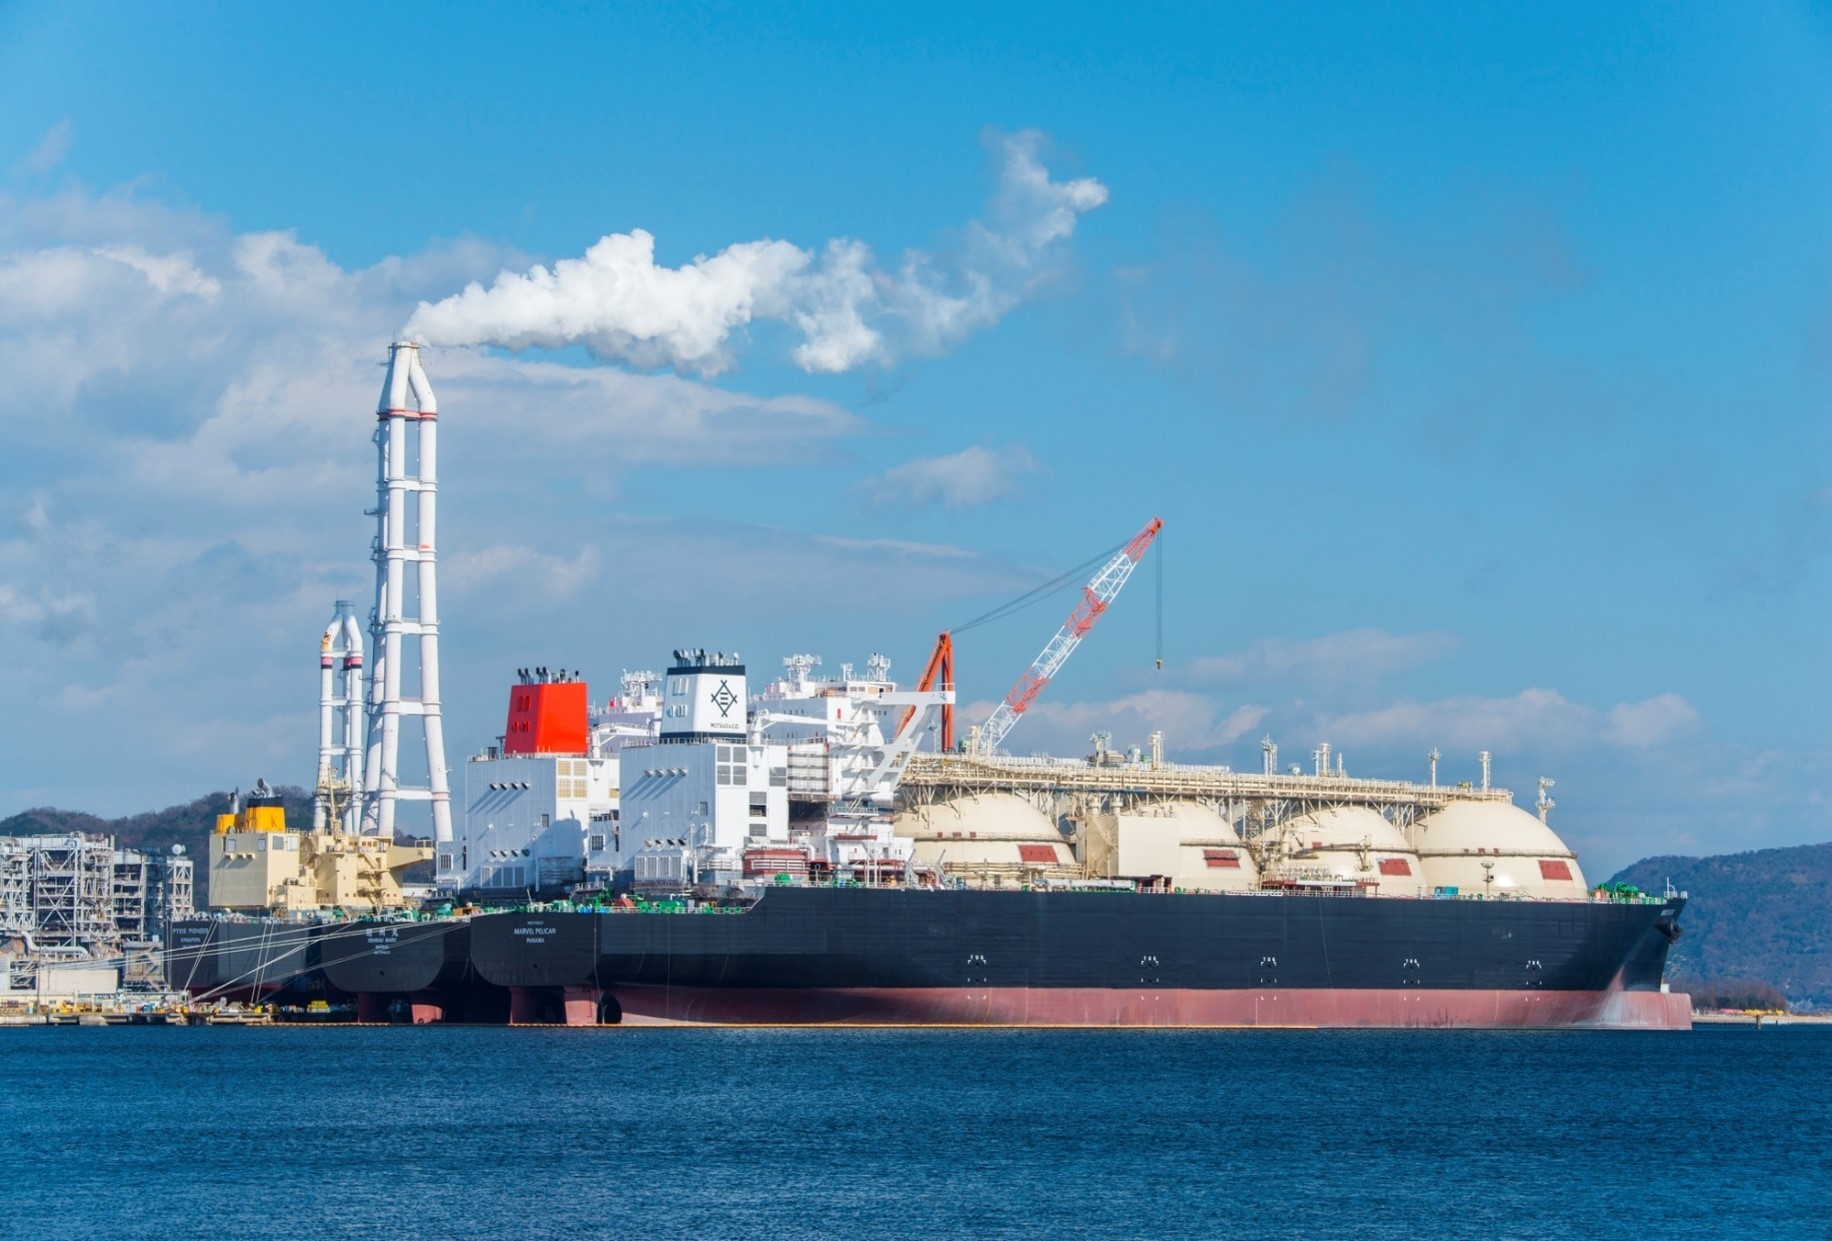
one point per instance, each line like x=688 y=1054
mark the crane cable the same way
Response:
x=1159 y=549
x=1040 y=593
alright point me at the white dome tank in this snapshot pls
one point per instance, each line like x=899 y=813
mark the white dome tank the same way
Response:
x=1354 y=844
x=988 y=838
x=1523 y=856
x=1183 y=843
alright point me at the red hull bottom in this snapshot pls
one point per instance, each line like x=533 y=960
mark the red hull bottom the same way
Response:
x=578 y=1006
x=1091 y=1006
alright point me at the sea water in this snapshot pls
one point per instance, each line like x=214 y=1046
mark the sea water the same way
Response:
x=475 y=1132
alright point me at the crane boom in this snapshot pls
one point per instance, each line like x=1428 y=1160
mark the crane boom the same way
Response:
x=1096 y=597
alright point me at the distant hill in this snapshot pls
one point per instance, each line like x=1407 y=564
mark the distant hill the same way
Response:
x=1760 y=917
x=157 y=831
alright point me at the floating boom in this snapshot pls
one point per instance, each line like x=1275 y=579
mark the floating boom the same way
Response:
x=1097 y=596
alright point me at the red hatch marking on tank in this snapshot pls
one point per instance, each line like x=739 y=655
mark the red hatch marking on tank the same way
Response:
x=1395 y=866
x=1554 y=870
x=1037 y=853
x=1221 y=859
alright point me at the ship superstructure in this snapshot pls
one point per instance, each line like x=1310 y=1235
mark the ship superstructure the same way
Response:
x=688 y=780
x=705 y=793
x=260 y=864
x=538 y=802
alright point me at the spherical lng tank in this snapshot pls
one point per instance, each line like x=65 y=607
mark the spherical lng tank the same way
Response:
x=1353 y=844
x=1182 y=843
x=1210 y=853
x=991 y=839
x=1495 y=848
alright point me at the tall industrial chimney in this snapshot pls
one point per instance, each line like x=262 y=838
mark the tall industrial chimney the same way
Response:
x=338 y=803
x=404 y=536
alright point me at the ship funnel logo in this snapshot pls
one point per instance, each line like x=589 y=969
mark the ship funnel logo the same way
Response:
x=724 y=699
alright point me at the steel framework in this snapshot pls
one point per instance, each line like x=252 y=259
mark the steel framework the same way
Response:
x=336 y=803
x=15 y=888
x=74 y=897
x=72 y=891
x=407 y=403
x=934 y=777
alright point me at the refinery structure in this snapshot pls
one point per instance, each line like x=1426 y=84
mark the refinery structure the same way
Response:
x=79 y=915
x=812 y=801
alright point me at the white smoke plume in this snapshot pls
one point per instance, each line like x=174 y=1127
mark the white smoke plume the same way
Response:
x=850 y=311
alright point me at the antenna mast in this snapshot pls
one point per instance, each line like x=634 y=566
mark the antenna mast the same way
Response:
x=1545 y=804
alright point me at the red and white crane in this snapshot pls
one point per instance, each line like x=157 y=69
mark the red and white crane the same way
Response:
x=1097 y=597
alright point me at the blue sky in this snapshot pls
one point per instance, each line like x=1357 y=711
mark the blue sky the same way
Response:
x=1477 y=360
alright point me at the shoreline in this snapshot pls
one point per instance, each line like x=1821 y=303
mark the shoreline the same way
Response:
x=1761 y=1019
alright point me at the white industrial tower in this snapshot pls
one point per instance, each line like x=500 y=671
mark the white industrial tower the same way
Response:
x=338 y=803
x=405 y=536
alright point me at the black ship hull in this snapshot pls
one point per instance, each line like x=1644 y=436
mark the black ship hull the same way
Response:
x=1055 y=958
x=243 y=960
x=898 y=957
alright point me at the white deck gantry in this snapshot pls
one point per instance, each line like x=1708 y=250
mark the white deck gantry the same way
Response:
x=1251 y=796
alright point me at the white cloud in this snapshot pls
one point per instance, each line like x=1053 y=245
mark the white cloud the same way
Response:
x=623 y=306
x=168 y=273
x=1534 y=719
x=1639 y=725
x=1531 y=718
x=1189 y=722
x=51 y=149
x=1352 y=655
x=642 y=418
x=235 y=366
x=976 y=475
x=530 y=573
x=902 y=547
x=37 y=516
x=54 y=616
x=187 y=415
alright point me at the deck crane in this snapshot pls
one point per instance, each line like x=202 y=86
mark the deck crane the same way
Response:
x=939 y=675
x=1096 y=597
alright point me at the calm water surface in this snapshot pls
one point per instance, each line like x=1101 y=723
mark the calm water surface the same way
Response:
x=819 y=1133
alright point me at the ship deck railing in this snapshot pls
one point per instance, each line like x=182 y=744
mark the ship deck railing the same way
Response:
x=1080 y=886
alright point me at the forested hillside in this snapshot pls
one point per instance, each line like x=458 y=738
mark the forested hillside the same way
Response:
x=1763 y=917
x=158 y=830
